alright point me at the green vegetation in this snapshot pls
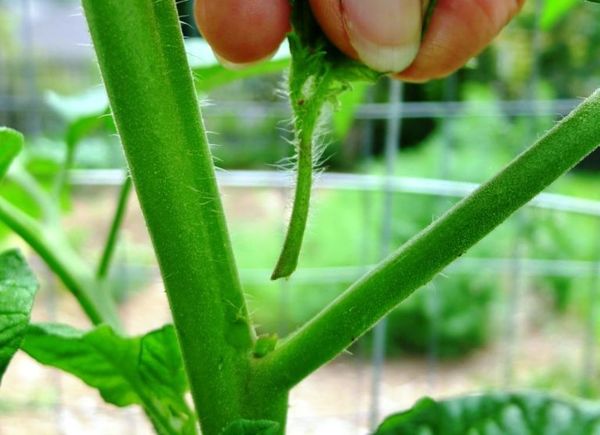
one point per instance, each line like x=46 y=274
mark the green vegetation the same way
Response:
x=495 y=413
x=146 y=371
x=17 y=291
x=240 y=379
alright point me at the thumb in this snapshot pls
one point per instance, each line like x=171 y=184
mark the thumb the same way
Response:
x=459 y=30
x=386 y=34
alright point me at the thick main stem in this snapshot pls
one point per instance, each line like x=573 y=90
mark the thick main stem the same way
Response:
x=149 y=83
x=419 y=260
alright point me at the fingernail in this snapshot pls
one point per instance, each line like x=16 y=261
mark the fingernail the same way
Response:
x=234 y=66
x=386 y=34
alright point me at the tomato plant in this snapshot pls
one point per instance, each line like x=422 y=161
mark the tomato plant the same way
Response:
x=239 y=382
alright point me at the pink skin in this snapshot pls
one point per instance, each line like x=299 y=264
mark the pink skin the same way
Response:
x=246 y=31
x=243 y=31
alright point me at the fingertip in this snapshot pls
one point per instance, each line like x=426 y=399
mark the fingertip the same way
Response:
x=243 y=31
x=383 y=34
x=458 y=31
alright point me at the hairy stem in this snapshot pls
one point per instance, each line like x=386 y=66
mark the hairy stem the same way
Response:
x=142 y=59
x=419 y=260
x=49 y=245
x=307 y=112
x=117 y=222
x=288 y=259
x=318 y=74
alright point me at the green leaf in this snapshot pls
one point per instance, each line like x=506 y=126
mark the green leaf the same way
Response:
x=93 y=102
x=350 y=101
x=161 y=366
x=211 y=77
x=84 y=112
x=527 y=413
x=252 y=427
x=146 y=370
x=89 y=110
x=11 y=144
x=17 y=291
x=209 y=74
x=555 y=10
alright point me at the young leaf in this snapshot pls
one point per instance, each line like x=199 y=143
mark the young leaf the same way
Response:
x=146 y=370
x=11 y=144
x=264 y=345
x=527 y=413
x=252 y=427
x=17 y=291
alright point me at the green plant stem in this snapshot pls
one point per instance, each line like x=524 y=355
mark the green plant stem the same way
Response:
x=117 y=222
x=319 y=73
x=50 y=246
x=307 y=112
x=419 y=260
x=142 y=59
x=49 y=209
x=62 y=179
x=288 y=259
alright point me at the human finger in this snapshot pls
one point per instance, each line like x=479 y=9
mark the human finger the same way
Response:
x=459 y=30
x=386 y=34
x=243 y=31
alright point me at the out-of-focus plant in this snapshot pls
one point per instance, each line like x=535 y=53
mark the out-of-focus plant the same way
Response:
x=501 y=413
x=554 y=10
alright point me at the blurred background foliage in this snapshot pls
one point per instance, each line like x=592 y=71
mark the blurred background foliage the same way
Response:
x=49 y=88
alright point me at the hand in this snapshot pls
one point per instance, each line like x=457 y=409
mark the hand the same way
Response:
x=384 y=34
